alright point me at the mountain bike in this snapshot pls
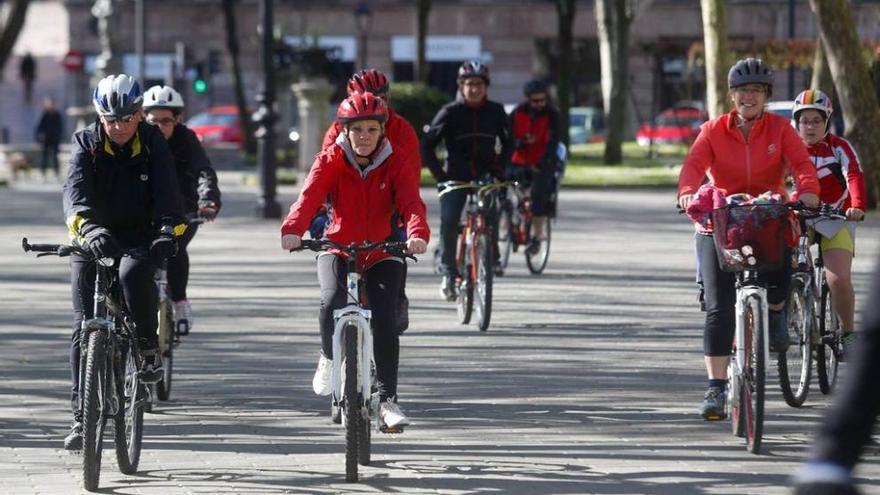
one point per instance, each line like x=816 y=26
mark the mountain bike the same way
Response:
x=109 y=362
x=515 y=226
x=750 y=240
x=474 y=254
x=812 y=335
x=354 y=398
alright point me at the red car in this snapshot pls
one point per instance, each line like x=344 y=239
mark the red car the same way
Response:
x=217 y=125
x=677 y=125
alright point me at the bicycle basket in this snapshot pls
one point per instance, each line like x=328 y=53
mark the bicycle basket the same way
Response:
x=750 y=237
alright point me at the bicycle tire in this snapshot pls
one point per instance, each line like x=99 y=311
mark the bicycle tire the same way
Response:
x=485 y=271
x=94 y=396
x=507 y=238
x=735 y=399
x=538 y=262
x=795 y=365
x=335 y=412
x=128 y=423
x=755 y=376
x=364 y=447
x=351 y=405
x=465 y=302
x=166 y=346
x=828 y=347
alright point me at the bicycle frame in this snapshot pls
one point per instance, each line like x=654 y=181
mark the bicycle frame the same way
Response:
x=749 y=292
x=353 y=313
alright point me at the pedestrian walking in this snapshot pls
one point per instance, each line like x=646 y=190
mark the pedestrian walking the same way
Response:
x=48 y=133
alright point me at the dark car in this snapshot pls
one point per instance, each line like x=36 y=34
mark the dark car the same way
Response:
x=217 y=125
x=677 y=125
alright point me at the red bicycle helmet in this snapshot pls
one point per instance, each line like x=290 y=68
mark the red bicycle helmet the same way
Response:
x=368 y=81
x=362 y=106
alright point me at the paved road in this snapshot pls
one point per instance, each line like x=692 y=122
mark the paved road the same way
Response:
x=587 y=382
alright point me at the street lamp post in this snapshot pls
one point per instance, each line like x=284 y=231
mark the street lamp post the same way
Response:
x=265 y=118
x=363 y=17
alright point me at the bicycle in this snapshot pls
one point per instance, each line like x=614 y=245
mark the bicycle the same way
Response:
x=354 y=397
x=811 y=334
x=749 y=240
x=109 y=362
x=474 y=254
x=515 y=226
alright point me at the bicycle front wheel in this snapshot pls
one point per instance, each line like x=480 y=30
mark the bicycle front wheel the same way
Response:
x=754 y=377
x=128 y=424
x=351 y=406
x=95 y=394
x=537 y=260
x=506 y=233
x=166 y=347
x=828 y=348
x=795 y=365
x=485 y=262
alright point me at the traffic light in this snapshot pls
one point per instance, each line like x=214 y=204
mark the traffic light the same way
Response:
x=200 y=84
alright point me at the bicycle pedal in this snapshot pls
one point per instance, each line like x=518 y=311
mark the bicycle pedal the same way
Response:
x=391 y=430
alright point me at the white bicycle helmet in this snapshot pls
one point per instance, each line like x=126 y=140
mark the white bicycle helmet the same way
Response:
x=117 y=95
x=161 y=96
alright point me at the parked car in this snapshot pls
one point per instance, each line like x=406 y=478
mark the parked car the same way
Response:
x=782 y=108
x=217 y=125
x=676 y=125
x=586 y=125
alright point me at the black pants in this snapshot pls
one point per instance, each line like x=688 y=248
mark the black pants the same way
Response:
x=540 y=183
x=847 y=428
x=139 y=291
x=451 y=206
x=178 y=266
x=383 y=290
x=49 y=158
x=720 y=296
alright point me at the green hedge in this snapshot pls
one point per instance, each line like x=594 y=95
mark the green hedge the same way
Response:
x=417 y=103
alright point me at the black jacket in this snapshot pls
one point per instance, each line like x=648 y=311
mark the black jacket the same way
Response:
x=470 y=135
x=195 y=176
x=129 y=190
x=49 y=129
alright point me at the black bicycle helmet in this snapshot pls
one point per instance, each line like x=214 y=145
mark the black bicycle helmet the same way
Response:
x=474 y=68
x=534 y=86
x=750 y=71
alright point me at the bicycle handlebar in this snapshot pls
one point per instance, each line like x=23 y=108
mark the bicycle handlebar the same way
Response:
x=481 y=187
x=61 y=250
x=396 y=248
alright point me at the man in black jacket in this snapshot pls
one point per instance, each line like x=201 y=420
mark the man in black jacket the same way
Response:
x=470 y=128
x=48 y=134
x=198 y=191
x=120 y=194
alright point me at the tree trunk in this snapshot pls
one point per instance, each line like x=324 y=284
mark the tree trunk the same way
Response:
x=853 y=83
x=821 y=72
x=614 y=22
x=244 y=118
x=715 y=53
x=11 y=29
x=423 y=10
x=565 y=10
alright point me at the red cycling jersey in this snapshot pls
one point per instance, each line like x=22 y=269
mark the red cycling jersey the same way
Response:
x=840 y=174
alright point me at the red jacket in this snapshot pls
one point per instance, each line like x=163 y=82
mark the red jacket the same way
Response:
x=543 y=126
x=362 y=201
x=839 y=172
x=397 y=130
x=760 y=164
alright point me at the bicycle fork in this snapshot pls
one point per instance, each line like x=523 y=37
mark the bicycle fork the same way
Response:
x=359 y=317
x=755 y=298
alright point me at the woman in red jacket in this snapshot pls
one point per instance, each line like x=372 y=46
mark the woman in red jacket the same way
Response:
x=366 y=182
x=745 y=151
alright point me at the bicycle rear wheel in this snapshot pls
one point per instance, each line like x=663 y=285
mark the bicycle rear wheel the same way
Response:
x=795 y=365
x=538 y=261
x=166 y=347
x=754 y=378
x=828 y=348
x=484 y=258
x=351 y=405
x=128 y=423
x=94 y=392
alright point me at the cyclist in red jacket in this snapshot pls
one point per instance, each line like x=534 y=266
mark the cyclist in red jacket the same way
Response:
x=535 y=127
x=842 y=186
x=366 y=182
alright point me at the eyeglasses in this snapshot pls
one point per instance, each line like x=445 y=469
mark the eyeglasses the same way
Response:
x=811 y=123
x=538 y=101
x=109 y=119
x=164 y=121
x=751 y=90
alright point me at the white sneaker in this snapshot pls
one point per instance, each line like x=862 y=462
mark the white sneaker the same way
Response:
x=183 y=319
x=391 y=415
x=321 y=381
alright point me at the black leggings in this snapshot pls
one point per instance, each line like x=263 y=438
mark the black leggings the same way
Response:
x=139 y=291
x=178 y=266
x=720 y=296
x=383 y=290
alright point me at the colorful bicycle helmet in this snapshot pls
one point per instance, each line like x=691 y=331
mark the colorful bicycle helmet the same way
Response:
x=750 y=71
x=812 y=99
x=474 y=68
x=362 y=106
x=163 y=97
x=368 y=81
x=117 y=96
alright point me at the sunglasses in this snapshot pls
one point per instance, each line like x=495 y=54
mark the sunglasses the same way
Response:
x=109 y=119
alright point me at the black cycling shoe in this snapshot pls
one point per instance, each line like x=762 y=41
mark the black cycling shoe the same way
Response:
x=779 y=341
x=713 y=404
x=74 y=439
x=151 y=369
